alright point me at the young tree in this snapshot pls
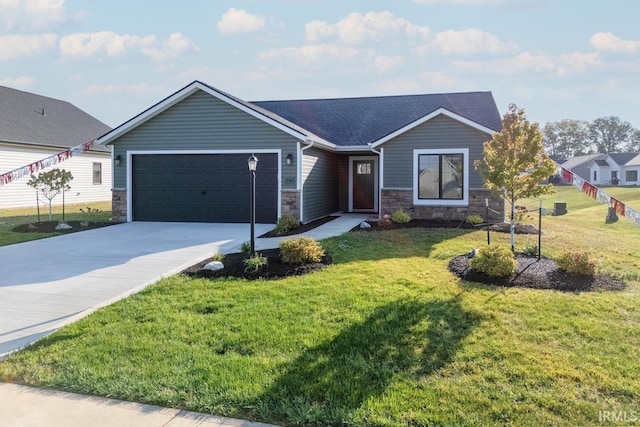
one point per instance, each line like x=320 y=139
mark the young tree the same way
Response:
x=51 y=183
x=515 y=164
x=609 y=134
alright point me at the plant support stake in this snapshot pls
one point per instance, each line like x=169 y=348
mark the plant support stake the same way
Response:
x=539 y=229
x=486 y=203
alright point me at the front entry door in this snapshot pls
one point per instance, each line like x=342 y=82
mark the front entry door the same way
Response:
x=363 y=184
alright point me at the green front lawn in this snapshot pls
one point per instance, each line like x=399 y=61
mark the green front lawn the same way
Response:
x=385 y=336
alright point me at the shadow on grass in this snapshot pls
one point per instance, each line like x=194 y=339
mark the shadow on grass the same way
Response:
x=328 y=383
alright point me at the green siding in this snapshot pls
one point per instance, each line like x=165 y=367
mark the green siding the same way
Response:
x=203 y=122
x=320 y=178
x=439 y=132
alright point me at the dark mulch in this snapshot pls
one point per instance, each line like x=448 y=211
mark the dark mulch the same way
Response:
x=416 y=223
x=50 y=227
x=234 y=267
x=536 y=274
x=505 y=227
x=303 y=227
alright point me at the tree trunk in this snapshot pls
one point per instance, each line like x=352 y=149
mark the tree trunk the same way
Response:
x=513 y=226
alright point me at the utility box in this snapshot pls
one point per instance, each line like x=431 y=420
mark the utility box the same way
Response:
x=559 y=208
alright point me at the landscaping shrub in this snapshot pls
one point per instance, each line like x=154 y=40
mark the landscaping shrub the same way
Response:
x=400 y=217
x=577 y=262
x=285 y=224
x=475 y=219
x=254 y=263
x=217 y=257
x=245 y=247
x=494 y=261
x=530 y=250
x=302 y=250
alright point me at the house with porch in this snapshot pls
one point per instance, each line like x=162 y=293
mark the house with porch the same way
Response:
x=185 y=158
x=615 y=169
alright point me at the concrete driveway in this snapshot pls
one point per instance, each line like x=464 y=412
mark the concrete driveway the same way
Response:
x=45 y=284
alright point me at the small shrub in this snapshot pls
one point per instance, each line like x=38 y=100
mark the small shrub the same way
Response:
x=577 y=262
x=400 y=217
x=385 y=222
x=474 y=219
x=302 y=250
x=245 y=247
x=285 y=224
x=217 y=257
x=90 y=213
x=530 y=250
x=254 y=263
x=494 y=261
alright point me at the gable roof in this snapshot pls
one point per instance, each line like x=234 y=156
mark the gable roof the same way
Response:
x=346 y=122
x=367 y=120
x=576 y=161
x=30 y=119
x=601 y=163
x=623 y=158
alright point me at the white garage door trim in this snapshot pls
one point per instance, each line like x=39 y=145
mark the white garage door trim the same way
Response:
x=132 y=153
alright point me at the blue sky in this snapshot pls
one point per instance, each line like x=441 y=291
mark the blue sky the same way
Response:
x=556 y=58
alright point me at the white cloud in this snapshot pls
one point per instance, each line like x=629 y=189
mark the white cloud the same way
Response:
x=18 y=82
x=464 y=42
x=238 y=21
x=425 y=82
x=608 y=42
x=101 y=43
x=177 y=45
x=315 y=55
x=140 y=89
x=382 y=64
x=19 y=15
x=25 y=46
x=527 y=63
x=357 y=28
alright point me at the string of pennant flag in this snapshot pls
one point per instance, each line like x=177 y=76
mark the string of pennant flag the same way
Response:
x=9 y=177
x=595 y=193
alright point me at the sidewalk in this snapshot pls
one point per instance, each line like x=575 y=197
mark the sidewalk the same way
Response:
x=22 y=406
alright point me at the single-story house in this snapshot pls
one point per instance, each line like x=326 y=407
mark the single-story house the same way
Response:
x=615 y=169
x=34 y=127
x=185 y=158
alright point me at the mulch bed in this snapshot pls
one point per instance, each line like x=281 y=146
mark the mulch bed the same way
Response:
x=275 y=269
x=50 y=227
x=303 y=227
x=505 y=227
x=536 y=274
x=417 y=223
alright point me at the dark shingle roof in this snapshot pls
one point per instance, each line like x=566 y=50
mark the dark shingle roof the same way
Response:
x=359 y=121
x=62 y=124
x=601 y=163
x=622 y=158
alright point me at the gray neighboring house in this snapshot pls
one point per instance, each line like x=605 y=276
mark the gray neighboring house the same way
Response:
x=185 y=158
x=579 y=165
x=34 y=127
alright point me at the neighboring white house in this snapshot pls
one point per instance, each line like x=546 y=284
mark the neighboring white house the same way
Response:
x=615 y=169
x=33 y=127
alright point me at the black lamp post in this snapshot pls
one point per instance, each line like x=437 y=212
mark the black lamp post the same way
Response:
x=252 y=162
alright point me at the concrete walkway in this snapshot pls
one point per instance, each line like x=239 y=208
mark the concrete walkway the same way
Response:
x=49 y=283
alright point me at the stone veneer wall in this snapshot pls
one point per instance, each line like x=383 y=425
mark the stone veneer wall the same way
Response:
x=290 y=203
x=119 y=205
x=393 y=200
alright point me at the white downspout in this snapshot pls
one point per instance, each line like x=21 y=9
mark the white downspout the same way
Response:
x=299 y=177
x=380 y=176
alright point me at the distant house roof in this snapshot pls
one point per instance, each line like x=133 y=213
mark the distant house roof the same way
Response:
x=623 y=158
x=360 y=121
x=582 y=160
x=346 y=122
x=30 y=119
x=601 y=163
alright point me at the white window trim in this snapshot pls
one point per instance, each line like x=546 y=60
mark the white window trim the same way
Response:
x=438 y=202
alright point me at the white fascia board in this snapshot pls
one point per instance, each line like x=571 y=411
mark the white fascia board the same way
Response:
x=351 y=148
x=430 y=116
x=181 y=95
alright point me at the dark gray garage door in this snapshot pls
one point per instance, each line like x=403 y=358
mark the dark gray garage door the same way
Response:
x=203 y=188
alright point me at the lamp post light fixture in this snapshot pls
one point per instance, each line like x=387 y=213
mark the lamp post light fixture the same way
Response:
x=252 y=162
